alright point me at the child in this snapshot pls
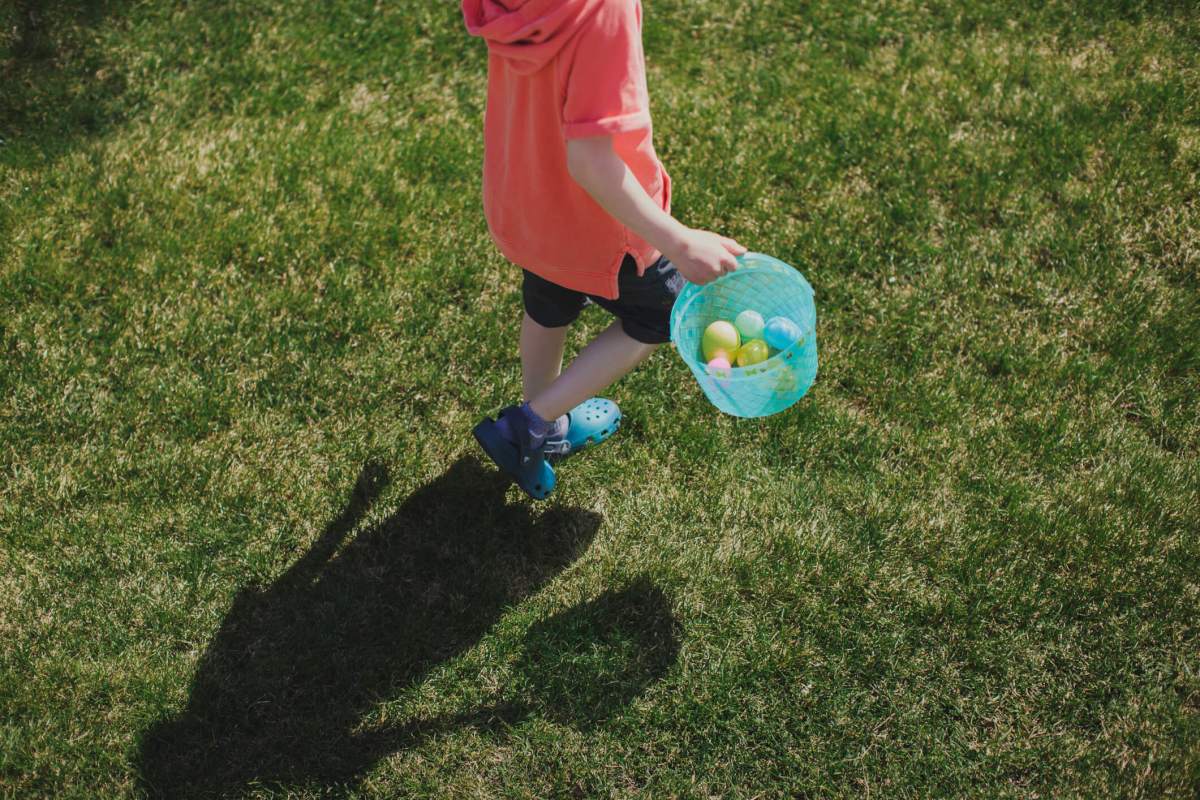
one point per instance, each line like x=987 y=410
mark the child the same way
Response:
x=574 y=194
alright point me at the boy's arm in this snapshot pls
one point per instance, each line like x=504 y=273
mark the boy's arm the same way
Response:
x=700 y=256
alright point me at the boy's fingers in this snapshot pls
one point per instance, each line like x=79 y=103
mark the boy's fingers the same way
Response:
x=732 y=246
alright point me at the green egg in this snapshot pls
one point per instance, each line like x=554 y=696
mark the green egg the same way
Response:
x=752 y=352
x=749 y=324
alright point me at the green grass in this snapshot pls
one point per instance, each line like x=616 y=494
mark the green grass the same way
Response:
x=249 y=311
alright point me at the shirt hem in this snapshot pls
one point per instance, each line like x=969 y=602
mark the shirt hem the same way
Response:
x=556 y=275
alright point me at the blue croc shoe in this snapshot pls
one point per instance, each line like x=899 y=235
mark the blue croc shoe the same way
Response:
x=524 y=463
x=589 y=423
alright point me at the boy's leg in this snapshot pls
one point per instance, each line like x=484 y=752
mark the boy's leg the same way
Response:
x=605 y=360
x=514 y=441
x=541 y=355
x=517 y=441
x=549 y=310
x=643 y=311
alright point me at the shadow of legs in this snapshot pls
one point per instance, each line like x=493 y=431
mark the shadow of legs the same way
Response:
x=585 y=665
x=579 y=667
x=295 y=667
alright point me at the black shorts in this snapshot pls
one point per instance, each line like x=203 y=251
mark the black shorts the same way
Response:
x=643 y=301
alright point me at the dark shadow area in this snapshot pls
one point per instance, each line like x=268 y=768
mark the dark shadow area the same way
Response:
x=286 y=682
x=52 y=81
x=584 y=665
x=580 y=667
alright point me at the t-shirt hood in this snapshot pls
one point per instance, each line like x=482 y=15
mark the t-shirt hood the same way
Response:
x=526 y=33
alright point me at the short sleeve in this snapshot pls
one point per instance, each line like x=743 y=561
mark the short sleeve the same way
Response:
x=605 y=89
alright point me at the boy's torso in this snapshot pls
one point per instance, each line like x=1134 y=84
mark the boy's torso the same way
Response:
x=539 y=217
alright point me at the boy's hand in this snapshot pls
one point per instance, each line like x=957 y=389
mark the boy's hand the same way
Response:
x=703 y=256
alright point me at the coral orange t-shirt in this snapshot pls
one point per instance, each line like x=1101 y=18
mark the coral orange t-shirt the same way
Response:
x=560 y=70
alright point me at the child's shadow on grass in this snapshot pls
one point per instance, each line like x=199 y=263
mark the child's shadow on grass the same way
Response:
x=55 y=83
x=282 y=692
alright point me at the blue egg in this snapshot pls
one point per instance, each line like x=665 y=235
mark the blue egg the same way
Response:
x=781 y=333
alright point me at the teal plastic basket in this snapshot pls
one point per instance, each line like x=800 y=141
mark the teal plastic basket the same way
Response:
x=772 y=288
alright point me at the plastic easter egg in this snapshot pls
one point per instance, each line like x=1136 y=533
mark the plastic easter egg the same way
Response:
x=719 y=365
x=752 y=352
x=720 y=335
x=749 y=324
x=728 y=355
x=781 y=333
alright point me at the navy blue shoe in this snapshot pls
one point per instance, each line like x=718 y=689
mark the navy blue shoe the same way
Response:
x=524 y=460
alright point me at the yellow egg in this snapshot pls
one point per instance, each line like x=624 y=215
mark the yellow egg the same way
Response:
x=752 y=352
x=720 y=335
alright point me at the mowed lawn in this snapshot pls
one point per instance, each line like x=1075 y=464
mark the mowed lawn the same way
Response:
x=249 y=312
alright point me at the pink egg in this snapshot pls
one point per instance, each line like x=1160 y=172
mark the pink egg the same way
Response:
x=720 y=368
